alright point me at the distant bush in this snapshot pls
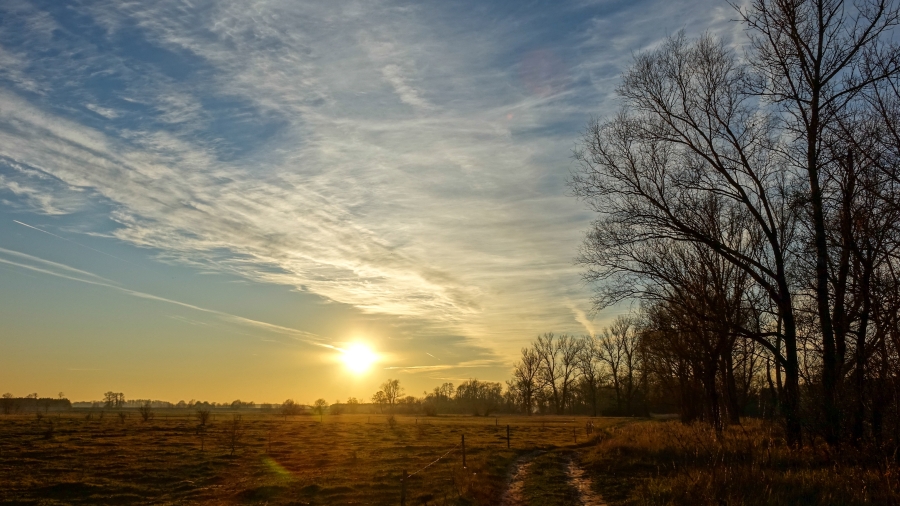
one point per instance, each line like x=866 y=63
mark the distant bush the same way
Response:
x=290 y=408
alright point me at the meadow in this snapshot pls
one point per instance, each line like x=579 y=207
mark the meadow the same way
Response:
x=669 y=463
x=256 y=458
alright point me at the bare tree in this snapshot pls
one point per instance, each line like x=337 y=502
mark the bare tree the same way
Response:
x=691 y=145
x=290 y=408
x=319 y=407
x=379 y=400
x=525 y=378
x=609 y=352
x=202 y=415
x=392 y=391
x=480 y=398
x=232 y=436
x=558 y=357
x=589 y=364
x=146 y=411
x=815 y=60
x=765 y=143
x=114 y=399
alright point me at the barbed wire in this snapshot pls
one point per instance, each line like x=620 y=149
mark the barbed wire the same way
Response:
x=433 y=462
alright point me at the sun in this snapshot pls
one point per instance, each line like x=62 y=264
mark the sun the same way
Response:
x=358 y=358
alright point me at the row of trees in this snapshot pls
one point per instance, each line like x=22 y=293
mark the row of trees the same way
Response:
x=750 y=201
x=574 y=374
x=10 y=404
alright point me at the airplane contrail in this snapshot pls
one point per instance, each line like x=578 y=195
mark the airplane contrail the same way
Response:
x=75 y=243
x=299 y=335
x=54 y=264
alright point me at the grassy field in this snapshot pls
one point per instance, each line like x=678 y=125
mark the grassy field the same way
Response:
x=668 y=463
x=268 y=459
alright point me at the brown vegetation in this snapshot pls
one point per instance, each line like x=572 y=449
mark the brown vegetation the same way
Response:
x=266 y=458
x=677 y=464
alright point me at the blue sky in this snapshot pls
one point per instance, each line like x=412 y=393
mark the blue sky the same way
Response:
x=202 y=199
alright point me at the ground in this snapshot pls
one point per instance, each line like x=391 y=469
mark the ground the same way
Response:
x=83 y=458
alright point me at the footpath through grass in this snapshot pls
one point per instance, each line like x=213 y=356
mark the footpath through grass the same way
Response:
x=667 y=463
x=266 y=459
x=547 y=483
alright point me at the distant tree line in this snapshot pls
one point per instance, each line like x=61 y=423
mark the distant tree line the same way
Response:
x=10 y=404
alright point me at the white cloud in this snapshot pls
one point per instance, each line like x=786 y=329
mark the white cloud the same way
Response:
x=410 y=170
x=102 y=111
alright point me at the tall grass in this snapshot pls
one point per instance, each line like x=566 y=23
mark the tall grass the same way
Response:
x=671 y=463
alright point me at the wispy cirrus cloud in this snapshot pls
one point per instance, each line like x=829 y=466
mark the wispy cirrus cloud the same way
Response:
x=403 y=159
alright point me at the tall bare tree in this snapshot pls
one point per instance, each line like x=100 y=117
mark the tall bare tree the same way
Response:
x=392 y=391
x=559 y=366
x=814 y=60
x=525 y=378
x=590 y=366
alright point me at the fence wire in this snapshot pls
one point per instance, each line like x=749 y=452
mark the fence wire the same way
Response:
x=435 y=461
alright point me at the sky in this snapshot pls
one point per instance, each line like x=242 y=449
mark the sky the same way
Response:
x=215 y=199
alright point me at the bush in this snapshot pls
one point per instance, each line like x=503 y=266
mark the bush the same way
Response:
x=290 y=408
x=146 y=411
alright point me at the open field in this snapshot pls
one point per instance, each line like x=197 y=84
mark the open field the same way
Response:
x=265 y=458
x=360 y=459
x=653 y=462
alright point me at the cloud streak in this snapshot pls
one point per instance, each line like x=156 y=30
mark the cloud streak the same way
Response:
x=305 y=337
x=405 y=160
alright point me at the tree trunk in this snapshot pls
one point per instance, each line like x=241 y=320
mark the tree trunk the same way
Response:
x=790 y=402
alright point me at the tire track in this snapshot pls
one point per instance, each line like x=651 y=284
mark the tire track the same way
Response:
x=575 y=475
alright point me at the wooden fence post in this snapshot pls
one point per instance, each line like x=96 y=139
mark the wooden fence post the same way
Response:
x=403 y=489
x=574 y=435
x=464 y=450
x=507 y=436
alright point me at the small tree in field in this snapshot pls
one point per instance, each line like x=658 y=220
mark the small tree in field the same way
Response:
x=146 y=411
x=232 y=436
x=290 y=408
x=202 y=416
x=319 y=407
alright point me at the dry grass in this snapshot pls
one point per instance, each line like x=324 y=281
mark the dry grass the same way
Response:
x=670 y=463
x=348 y=459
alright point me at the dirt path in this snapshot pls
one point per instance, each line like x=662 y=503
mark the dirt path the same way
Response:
x=513 y=494
x=575 y=475
x=583 y=484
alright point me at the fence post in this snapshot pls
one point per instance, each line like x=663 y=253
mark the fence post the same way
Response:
x=574 y=435
x=403 y=489
x=464 y=450
x=507 y=436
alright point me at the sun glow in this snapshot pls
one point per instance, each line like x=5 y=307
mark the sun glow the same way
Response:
x=358 y=358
